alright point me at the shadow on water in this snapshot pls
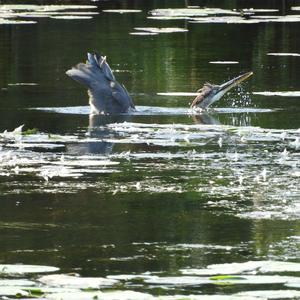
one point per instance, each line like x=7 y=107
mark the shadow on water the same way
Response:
x=98 y=131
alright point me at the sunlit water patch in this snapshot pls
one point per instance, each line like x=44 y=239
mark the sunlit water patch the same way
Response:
x=157 y=110
x=232 y=165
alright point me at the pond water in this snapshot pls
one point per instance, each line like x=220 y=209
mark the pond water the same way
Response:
x=166 y=202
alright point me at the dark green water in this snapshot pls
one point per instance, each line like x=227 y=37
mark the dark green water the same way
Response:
x=182 y=191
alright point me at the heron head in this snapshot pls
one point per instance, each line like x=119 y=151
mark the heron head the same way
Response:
x=211 y=93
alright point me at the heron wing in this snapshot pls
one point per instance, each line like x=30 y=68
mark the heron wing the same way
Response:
x=121 y=96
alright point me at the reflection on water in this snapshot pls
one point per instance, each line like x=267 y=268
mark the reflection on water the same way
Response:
x=165 y=201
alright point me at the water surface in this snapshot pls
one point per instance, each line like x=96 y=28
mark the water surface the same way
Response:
x=152 y=199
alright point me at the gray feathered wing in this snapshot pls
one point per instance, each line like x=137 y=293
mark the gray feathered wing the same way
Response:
x=107 y=96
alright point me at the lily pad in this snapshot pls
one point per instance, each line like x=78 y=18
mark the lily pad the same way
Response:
x=191 y=12
x=15 y=22
x=252 y=279
x=11 y=13
x=61 y=280
x=143 y=33
x=122 y=11
x=172 y=17
x=16 y=282
x=178 y=280
x=23 y=269
x=161 y=30
x=31 y=7
x=281 y=94
x=22 y=84
x=37 y=146
x=13 y=291
x=207 y=297
x=224 y=62
x=128 y=277
x=225 y=20
x=241 y=20
x=284 y=54
x=226 y=277
x=260 y=10
x=271 y=294
x=71 y=17
x=249 y=266
x=124 y=295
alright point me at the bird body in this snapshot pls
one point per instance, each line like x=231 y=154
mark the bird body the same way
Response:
x=106 y=94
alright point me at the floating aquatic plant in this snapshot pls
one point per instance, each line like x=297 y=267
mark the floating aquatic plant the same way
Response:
x=122 y=11
x=67 y=281
x=279 y=93
x=283 y=54
x=220 y=62
x=161 y=30
x=191 y=12
x=25 y=269
x=14 y=13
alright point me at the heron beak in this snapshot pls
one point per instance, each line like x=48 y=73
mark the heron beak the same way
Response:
x=225 y=87
x=212 y=93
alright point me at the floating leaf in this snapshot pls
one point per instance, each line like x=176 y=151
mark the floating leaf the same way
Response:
x=71 y=17
x=143 y=33
x=28 y=7
x=224 y=62
x=62 y=280
x=259 y=10
x=13 y=291
x=21 y=269
x=30 y=131
x=241 y=20
x=178 y=280
x=281 y=94
x=16 y=282
x=122 y=11
x=161 y=30
x=22 y=84
x=190 y=12
x=15 y=22
x=171 y=17
x=284 y=54
x=226 y=277
x=249 y=266
x=114 y=295
x=271 y=294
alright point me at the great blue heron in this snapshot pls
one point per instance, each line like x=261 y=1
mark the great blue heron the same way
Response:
x=107 y=96
x=211 y=93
